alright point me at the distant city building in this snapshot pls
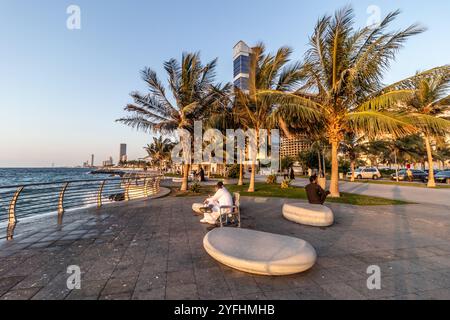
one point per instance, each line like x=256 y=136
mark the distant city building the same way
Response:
x=292 y=147
x=123 y=152
x=241 y=64
x=108 y=163
x=92 y=160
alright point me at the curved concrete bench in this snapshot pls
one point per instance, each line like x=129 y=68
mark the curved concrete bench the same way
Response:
x=259 y=252
x=309 y=214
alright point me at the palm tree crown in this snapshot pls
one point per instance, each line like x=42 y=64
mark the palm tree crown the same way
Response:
x=159 y=150
x=193 y=91
x=343 y=71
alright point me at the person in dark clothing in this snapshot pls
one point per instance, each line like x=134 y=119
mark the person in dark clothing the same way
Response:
x=202 y=174
x=315 y=193
x=292 y=174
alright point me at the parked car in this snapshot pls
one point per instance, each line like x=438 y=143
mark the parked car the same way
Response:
x=418 y=175
x=366 y=173
x=443 y=176
x=436 y=171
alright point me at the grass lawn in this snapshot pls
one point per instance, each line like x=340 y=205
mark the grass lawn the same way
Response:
x=274 y=191
x=402 y=183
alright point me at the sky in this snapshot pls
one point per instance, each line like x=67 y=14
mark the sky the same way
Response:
x=61 y=89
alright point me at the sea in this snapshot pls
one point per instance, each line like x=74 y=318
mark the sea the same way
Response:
x=20 y=176
x=31 y=206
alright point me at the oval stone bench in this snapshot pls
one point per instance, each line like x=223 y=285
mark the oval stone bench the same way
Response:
x=258 y=252
x=309 y=214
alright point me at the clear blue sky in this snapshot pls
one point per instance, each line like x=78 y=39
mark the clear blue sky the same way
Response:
x=61 y=90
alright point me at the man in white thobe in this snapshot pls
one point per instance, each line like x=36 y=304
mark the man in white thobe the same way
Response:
x=220 y=199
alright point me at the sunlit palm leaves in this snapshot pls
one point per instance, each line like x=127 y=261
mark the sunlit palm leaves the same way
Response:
x=193 y=92
x=159 y=150
x=342 y=74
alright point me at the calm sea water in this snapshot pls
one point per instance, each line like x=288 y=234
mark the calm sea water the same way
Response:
x=16 y=176
x=33 y=202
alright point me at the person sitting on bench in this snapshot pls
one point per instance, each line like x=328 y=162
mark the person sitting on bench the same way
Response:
x=222 y=198
x=315 y=193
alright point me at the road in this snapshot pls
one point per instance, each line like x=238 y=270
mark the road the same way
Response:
x=404 y=193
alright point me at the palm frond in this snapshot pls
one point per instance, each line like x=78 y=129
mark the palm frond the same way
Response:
x=386 y=100
x=377 y=124
x=287 y=98
x=429 y=124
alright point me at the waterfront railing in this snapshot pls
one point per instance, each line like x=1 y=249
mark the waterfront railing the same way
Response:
x=20 y=202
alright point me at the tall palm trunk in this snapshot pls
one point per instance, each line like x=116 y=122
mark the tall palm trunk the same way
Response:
x=320 y=164
x=185 y=183
x=241 y=174
x=334 y=187
x=251 y=187
x=397 y=166
x=431 y=182
x=352 y=168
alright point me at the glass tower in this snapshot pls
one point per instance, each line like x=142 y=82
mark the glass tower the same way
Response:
x=241 y=64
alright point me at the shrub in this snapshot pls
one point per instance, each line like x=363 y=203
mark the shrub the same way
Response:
x=195 y=187
x=272 y=179
x=233 y=172
x=286 y=184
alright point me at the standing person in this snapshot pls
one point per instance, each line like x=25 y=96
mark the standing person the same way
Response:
x=410 y=175
x=292 y=175
x=202 y=175
x=315 y=193
x=222 y=198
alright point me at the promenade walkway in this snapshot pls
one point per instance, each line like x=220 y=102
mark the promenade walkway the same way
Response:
x=153 y=250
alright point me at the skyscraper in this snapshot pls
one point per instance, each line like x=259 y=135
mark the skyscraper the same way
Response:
x=241 y=63
x=92 y=160
x=123 y=152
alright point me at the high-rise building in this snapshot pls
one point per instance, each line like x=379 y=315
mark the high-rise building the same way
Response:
x=292 y=147
x=241 y=63
x=123 y=152
x=92 y=160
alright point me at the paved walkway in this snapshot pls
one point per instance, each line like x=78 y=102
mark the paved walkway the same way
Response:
x=153 y=250
x=405 y=193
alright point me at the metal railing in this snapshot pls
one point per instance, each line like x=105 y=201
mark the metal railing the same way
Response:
x=31 y=200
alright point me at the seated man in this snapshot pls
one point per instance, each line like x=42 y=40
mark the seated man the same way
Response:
x=221 y=198
x=316 y=195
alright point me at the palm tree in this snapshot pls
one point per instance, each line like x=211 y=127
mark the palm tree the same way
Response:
x=442 y=152
x=159 y=150
x=398 y=151
x=352 y=146
x=427 y=107
x=267 y=72
x=343 y=70
x=224 y=117
x=193 y=92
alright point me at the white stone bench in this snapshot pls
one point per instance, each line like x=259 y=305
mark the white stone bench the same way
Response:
x=258 y=252
x=309 y=214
